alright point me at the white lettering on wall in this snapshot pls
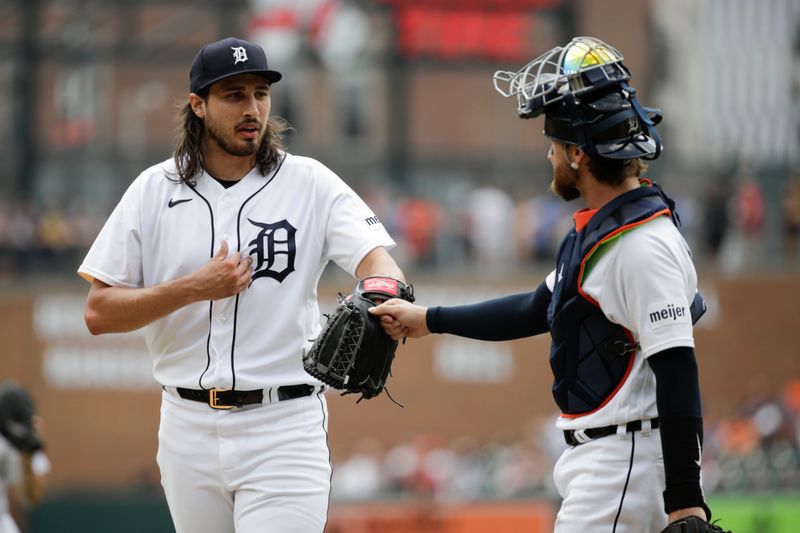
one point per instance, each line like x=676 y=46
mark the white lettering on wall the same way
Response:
x=74 y=359
x=470 y=361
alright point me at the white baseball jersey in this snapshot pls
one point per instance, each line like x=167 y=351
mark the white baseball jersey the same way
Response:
x=645 y=282
x=291 y=222
x=10 y=475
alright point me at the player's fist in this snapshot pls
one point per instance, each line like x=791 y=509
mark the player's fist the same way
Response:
x=400 y=318
x=223 y=276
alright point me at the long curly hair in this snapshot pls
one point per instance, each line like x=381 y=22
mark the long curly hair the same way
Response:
x=188 y=154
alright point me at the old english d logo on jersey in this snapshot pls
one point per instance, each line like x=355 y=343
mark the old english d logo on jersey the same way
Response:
x=274 y=250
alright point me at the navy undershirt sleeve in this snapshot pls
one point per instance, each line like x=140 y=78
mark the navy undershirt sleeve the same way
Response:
x=681 y=427
x=500 y=319
x=677 y=383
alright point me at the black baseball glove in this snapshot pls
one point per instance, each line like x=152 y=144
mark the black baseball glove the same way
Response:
x=692 y=524
x=352 y=352
x=16 y=418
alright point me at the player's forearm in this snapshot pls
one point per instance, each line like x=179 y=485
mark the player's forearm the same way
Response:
x=506 y=318
x=119 y=309
x=32 y=484
x=378 y=262
x=681 y=429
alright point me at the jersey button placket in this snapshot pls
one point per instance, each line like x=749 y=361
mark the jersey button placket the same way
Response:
x=225 y=226
x=223 y=208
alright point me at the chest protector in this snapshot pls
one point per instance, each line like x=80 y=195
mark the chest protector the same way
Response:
x=591 y=356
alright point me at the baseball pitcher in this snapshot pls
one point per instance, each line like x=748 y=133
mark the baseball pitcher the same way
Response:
x=217 y=252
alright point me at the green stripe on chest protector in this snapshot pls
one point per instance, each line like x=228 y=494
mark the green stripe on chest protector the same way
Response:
x=601 y=250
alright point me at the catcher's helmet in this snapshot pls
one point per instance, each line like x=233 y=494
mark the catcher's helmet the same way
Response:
x=582 y=89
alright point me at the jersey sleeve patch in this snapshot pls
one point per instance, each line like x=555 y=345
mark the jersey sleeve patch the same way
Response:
x=373 y=222
x=666 y=314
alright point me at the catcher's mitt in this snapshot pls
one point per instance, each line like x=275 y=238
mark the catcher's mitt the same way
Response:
x=692 y=524
x=16 y=418
x=352 y=352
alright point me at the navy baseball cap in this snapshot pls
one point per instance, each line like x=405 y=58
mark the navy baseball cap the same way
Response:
x=225 y=58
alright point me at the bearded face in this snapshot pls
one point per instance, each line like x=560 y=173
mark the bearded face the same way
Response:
x=565 y=178
x=229 y=139
x=236 y=114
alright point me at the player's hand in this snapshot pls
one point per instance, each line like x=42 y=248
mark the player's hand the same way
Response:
x=401 y=319
x=223 y=276
x=688 y=511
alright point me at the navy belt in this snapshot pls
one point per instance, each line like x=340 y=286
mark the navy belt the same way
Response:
x=580 y=436
x=228 y=399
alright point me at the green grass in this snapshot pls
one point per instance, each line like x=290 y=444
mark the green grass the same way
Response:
x=757 y=513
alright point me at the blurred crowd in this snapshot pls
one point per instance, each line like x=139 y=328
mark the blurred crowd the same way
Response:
x=755 y=450
x=427 y=466
x=725 y=223
x=483 y=227
x=45 y=239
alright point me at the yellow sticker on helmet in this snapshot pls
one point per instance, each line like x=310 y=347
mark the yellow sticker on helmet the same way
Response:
x=580 y=56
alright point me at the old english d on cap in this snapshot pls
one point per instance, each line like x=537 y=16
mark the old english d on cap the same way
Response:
x=225 y=58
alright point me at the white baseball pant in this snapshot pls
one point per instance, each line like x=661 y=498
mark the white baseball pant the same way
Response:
x=263 y=468
x=612 y=485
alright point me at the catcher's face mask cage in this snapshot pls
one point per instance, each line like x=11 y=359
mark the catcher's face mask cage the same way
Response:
x=582 y=89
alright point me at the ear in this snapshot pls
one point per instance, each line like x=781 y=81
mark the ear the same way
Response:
x=579 y=157
x=198 y=105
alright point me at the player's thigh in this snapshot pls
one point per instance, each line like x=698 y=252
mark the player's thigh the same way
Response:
x=286 y=487
x=188 y=457
x=7 y=524
x=611 y=485
x=257 y=512
x=200 y=510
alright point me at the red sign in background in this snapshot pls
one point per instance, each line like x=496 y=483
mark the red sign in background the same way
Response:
x=446 y=30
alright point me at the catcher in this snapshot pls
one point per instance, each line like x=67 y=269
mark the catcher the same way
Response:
x=353 y=353
x=23 y=464
x=619 y=305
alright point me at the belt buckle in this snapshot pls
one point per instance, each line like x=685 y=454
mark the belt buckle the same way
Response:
x=213 y=400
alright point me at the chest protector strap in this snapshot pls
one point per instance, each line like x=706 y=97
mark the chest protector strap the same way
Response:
x=590 y=356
